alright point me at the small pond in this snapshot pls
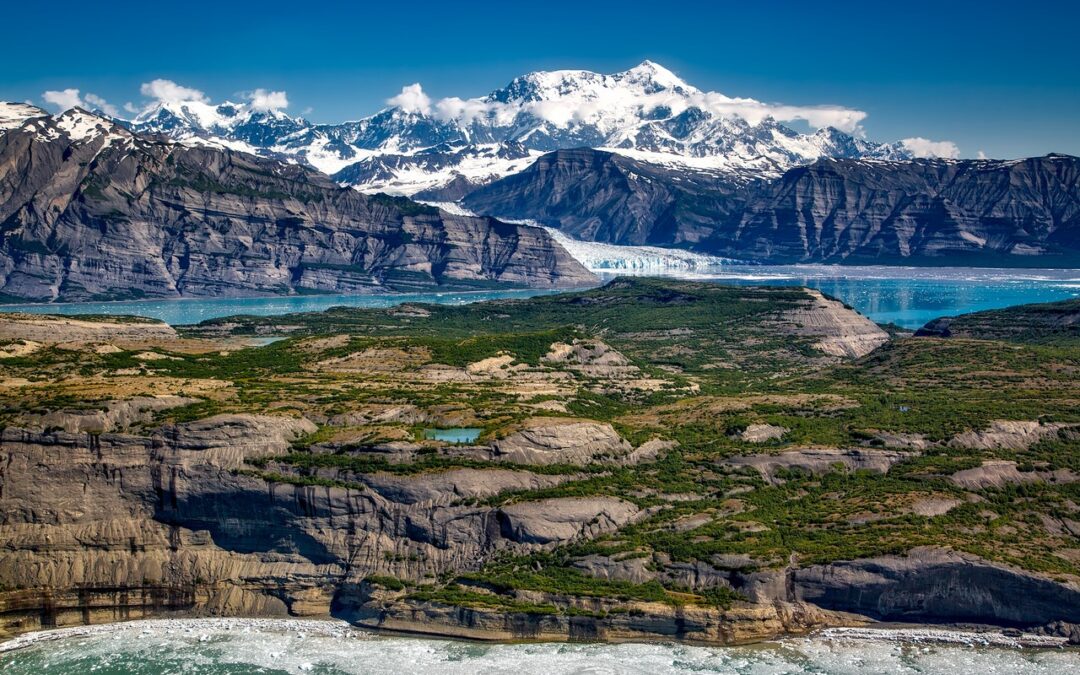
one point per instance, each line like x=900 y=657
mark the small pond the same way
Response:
x=459 y=435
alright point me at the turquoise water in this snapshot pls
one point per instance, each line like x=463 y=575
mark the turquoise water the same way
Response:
x=911 y=303
x=908 y=297
x=194 y=310
x=459 y=435
x=263 y=646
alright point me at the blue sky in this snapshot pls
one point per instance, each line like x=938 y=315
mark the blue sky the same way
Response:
x=991 y=76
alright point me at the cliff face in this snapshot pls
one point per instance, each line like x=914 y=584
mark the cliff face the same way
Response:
x=89 y=210
x=100 y=525
x=1023 y=213
x=937 y=585
x=601 y=196
x=974 y=211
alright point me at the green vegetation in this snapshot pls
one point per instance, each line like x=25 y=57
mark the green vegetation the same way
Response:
x=404 y=205
x=695 y=364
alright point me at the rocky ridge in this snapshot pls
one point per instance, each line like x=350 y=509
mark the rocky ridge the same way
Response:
x=925 y=211
x=90 y=210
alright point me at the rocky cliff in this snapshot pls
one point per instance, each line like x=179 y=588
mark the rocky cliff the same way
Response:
x=89 y=210
x=601 y=196
x=100 y=525
x=984 y=212
x=1024 y=212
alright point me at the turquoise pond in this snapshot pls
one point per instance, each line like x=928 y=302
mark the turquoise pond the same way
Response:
x=908 y=297
x=459 y=435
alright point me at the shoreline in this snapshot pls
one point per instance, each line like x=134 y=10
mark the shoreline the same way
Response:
x=331 y=627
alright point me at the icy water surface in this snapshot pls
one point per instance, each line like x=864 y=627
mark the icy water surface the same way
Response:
x=276 y=646
x=906 y=296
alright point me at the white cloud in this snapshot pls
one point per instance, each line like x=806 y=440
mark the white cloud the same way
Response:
x=64 y=99
x=924 y=147
x=101 y=104
x=264 y=100
x=411 y=99
x=132 y=108
x=982 y=155
x=168 y=91
x=466 y=110
x=753 y=111
x=604 y=97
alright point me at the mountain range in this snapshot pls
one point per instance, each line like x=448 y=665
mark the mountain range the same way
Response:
x=92 y=211
x=646 y=112
x=920 y=211
x=195 y=199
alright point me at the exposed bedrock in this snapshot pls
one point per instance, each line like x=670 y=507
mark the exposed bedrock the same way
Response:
x=555 y=441
x=99 y=526
x=923 y=585
x=592 y=619
x=106 y=214
x=818 y=461
x=935 y=584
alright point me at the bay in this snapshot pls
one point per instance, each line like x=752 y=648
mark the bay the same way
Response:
x=905 y=296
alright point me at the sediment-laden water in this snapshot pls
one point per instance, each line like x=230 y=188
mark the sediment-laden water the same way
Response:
x=216 y=646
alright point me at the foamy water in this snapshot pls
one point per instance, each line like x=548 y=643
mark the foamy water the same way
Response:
x=287 y=646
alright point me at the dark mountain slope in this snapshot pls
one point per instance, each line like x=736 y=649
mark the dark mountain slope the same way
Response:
x=90 y=210
x=601 y=196
x=1024 y=212
x=978 y=212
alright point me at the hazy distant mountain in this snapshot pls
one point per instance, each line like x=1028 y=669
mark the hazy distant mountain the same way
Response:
x=646 y=112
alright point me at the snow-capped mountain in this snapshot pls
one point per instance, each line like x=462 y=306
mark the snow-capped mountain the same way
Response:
x=452 y=145
x=12 y=115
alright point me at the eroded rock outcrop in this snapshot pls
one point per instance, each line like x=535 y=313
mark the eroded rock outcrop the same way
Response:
x=929 y=583
x=49 y=329
x=104 y=525
x=761 y=433
x=840 y=330
x=1007 y=435
x=818 y=460
x=550 y=521
x=551 y=440
x=996 y=473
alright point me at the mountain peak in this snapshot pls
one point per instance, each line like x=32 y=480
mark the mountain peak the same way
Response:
x=81 y=125
x=654 y=72
x=12 y=114
x=646 y=111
